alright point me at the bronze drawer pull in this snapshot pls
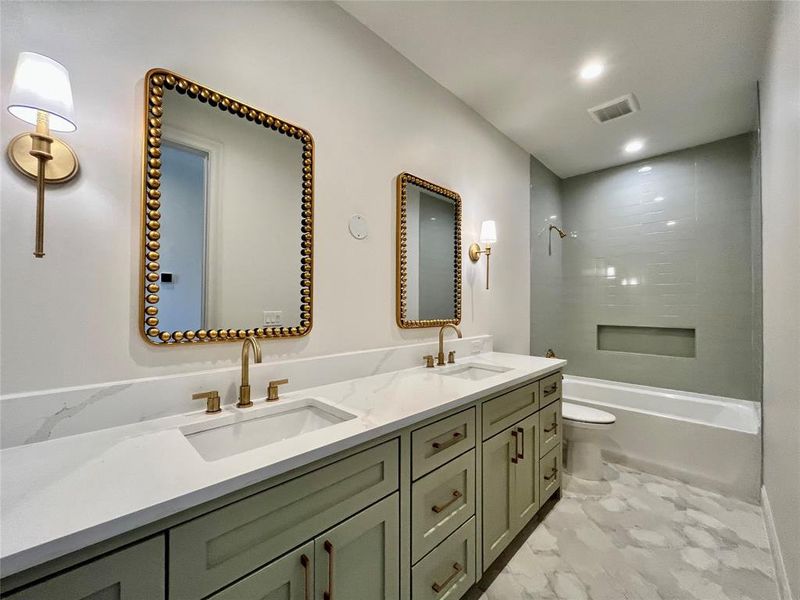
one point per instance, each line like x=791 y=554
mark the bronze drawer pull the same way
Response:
x=553 y=473
x=550 y=389
x=515 y=458
x=438 y=587
x=521 y=455
x=553 y=428
x=437 y=509
x=328 y=595
x=304 y=560
x=453 y=440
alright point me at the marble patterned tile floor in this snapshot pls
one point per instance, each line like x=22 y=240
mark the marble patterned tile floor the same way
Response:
x=638 y=537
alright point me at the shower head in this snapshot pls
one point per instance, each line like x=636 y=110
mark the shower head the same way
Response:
x=561 y=233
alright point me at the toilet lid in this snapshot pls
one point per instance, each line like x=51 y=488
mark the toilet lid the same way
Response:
x=585 y=414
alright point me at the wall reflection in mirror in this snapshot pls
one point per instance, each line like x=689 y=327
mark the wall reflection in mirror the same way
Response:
x=234 y=222
x=429 y=255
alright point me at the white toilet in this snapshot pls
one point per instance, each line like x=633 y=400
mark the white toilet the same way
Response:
x=584 y=427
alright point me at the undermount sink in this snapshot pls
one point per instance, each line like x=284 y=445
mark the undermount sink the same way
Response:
x=473 y=371
x=241 y=432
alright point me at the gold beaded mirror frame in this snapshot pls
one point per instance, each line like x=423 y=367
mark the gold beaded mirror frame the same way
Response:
x=155 y=327
x=428 y=264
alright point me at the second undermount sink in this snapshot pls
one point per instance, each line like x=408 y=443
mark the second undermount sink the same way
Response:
x=473 y=371
x=236 y=433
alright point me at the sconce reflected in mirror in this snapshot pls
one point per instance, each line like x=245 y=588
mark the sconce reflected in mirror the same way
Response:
x=42 y=96
x=488 y=236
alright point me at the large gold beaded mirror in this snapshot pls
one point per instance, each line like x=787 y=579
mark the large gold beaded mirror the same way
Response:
x=428 y=254
x=227 y=218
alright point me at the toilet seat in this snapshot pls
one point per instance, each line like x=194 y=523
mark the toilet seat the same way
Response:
x=585 y=416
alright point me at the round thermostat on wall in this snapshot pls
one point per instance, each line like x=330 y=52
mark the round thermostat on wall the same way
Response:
x=358 y=227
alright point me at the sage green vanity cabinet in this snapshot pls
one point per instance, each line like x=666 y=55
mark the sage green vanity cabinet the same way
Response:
x=450 y=570
x=526 y=473
x=550 y=425
x=504 y=411
x=417 y=515
x=290 y=577
x=135 y=573
x=219 y=547
x=440 y=502
x=498 y=497
x=360 y=558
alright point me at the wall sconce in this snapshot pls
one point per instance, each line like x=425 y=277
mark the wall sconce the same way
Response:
x=488 y=236
x=42 y=96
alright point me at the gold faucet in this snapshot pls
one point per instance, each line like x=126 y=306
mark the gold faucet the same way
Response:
x=244 y=389
x=440 y=356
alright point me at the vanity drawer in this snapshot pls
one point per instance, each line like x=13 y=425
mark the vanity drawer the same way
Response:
x=440 y=502
x=549 y=474
x=219 y=547
x=448 y=571
x=550 y=388
x=504 y=411
x=131 y=574
x=437 y=443
x=550 y=427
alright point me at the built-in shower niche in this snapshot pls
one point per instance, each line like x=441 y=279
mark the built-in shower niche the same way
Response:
x=662 y=341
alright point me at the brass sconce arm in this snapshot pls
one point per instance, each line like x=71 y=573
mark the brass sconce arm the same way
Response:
x=475 y=255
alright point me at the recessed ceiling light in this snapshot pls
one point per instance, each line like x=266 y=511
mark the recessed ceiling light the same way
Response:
x=592 y=70
x=658 y=198
x=645 y=169
x=671 y=223
x=634 y=146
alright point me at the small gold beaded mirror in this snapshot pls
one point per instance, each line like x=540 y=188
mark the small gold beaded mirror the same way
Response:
x=428 y=254
x=227 y=218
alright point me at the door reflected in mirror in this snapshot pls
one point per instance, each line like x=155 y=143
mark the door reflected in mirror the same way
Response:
x=429 y=254
x=233 y=218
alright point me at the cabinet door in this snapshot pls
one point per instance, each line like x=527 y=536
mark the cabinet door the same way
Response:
x=131 y=574
x=526 y=485
x=291 y=577
x=360 y=558
x=498 y=486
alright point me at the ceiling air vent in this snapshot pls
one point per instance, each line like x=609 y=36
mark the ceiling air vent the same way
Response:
x=614 y=109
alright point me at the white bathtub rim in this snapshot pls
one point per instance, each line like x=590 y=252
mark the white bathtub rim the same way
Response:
x=748 y=405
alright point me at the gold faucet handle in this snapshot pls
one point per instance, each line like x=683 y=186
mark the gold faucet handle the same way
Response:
x=212 y=401
x=428 y=360
x=272 y=389
x=451 y=357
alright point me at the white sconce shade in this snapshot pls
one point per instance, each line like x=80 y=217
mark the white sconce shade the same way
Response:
x=42 y=84
x=488 y=232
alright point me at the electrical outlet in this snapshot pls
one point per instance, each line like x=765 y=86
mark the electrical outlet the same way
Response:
x=476 y=347
x=272 y=318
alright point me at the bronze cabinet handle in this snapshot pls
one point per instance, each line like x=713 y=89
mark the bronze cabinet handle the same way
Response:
x=521 y=455
x=328 y=595
x=550 y=389
x=453 y=440
x=438 y=587
x=515 y=458
x=553 y=473
x=304 y=560
x=553 y=428
x=439 y=508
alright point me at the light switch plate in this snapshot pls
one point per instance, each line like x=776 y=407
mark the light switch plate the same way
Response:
x=476 y=347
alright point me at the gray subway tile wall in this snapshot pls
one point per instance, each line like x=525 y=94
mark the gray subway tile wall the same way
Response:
x=670 y=247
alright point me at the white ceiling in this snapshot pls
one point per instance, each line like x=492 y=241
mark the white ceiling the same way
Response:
x=692 y=65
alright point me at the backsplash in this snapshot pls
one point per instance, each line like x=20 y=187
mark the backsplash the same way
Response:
x=39 y=416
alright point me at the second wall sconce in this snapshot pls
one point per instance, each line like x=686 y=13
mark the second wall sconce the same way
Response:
x=42 y=96
x=488 y=236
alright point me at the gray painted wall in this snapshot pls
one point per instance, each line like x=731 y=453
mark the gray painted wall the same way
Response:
x=667 y=248
x=780 y=148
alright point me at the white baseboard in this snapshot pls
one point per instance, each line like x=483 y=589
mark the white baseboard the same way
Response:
x=784 y=590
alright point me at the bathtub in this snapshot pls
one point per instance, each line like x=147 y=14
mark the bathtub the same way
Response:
x=708 y=441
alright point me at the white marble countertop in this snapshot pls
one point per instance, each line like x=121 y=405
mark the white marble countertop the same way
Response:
x=62 y=495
